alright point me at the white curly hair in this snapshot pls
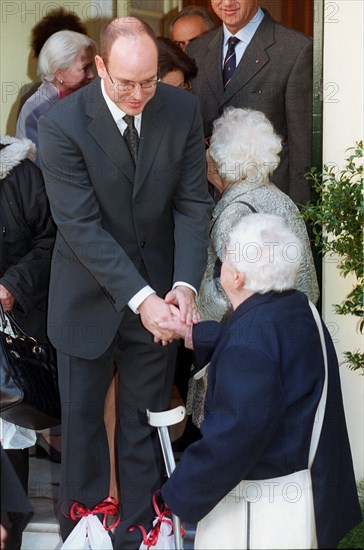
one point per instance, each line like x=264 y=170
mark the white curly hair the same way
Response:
x=244 y=146
x=266 y=251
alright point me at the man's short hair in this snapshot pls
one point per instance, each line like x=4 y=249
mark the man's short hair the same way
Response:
x=130 y=27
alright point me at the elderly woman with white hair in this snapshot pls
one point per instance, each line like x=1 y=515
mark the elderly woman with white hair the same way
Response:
x=245 y=481
x=243 y=152
x=64 y=65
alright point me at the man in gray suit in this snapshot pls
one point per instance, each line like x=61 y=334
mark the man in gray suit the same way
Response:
x=129 y=197
x=270 y=70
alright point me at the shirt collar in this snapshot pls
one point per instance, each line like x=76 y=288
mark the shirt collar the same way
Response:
x=117 y=113
x=246 y=33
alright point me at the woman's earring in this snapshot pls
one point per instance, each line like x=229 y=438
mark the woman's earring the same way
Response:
x=61 y=80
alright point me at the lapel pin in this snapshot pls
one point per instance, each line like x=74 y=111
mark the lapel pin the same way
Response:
x=257 y=61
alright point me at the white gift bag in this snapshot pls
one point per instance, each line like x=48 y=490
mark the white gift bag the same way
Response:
x=16 y=437
x=160 y=537
x=89 y=534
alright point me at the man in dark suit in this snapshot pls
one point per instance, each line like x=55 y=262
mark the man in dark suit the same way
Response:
x=130 y=201
x=273 y=74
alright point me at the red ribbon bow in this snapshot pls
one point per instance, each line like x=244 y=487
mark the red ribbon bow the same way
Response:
x=151 y=538
x=107 y=507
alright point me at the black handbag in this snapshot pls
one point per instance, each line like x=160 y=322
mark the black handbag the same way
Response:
x=29 y=394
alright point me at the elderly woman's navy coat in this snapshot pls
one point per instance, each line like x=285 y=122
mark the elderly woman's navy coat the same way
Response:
x=265 y=381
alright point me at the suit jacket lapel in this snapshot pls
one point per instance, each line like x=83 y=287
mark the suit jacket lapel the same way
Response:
x=105 y=132
x=153 y=124
x=254 y=58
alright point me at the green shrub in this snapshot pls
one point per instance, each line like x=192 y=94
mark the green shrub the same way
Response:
x=355 y=537
x=337 y=216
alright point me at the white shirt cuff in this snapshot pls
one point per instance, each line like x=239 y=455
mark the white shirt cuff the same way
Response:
x=180 y=283
x=139 y=297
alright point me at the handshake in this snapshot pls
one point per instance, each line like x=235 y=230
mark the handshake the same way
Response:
x=172 y=318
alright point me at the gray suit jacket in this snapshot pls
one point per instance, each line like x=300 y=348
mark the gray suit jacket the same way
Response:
x=274 y=76
x=119 y=230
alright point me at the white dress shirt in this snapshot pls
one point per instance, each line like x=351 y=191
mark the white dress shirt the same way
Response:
x=245 y=35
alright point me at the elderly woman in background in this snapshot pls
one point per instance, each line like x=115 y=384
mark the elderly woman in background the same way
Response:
x=174 y=66
x=243 y=152
x=64 y=65
x=265 y=383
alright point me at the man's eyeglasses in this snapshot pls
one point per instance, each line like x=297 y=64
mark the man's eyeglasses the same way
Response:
x=131 y=86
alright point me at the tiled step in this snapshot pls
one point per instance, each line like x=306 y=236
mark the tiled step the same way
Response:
x=41 y=540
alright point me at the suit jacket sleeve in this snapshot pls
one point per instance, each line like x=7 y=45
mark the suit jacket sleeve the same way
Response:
x=192 y=208
x=299 y=124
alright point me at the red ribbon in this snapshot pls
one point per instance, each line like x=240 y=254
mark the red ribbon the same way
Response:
x=107 y=507
x=151 y=538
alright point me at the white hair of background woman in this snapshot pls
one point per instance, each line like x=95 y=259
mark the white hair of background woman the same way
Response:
x=244 y=145
x=60 y=52
x=266 y=251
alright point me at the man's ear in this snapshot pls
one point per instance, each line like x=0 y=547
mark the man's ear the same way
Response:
x=100 y=66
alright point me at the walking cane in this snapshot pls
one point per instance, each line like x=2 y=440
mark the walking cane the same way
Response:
x=161 y=421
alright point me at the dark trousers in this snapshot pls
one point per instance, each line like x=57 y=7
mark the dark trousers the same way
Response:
x=11 y=516
x=146 y=373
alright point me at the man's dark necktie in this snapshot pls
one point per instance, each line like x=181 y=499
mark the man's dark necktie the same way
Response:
x=131 y=136
x=230 y=61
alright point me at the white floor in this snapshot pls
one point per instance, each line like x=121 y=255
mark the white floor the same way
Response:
x=42 y=532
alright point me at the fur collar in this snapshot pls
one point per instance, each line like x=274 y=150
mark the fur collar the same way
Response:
x=14 y=153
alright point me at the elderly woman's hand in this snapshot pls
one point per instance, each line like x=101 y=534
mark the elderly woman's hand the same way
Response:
x=6 y=298
x=212 y=173
x=180 y=328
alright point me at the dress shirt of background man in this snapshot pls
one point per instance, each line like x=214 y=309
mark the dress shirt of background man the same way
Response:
x=273 y=74
x=127 y=235
x=189 y=23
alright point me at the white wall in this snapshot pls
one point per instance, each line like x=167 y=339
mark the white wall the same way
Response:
x=342 y=126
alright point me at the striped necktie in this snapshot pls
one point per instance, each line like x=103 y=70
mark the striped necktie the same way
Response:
x=230 y=61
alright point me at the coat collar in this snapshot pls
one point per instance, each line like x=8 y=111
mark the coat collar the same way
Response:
x=257 y=300
x=106 y=133
x=13 y=152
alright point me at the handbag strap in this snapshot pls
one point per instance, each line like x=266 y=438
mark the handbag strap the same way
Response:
x=320 y=412
x=251 y=208
x=7 y=319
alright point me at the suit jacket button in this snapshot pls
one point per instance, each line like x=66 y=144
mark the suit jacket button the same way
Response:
x=142 y=244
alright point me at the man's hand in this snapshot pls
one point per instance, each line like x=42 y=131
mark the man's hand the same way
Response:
x=153 y=311
x=184 y=298
x=6 y=298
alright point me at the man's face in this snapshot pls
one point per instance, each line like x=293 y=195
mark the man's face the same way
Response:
x=235 y=13
x=187 y=28
x=131 y=61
